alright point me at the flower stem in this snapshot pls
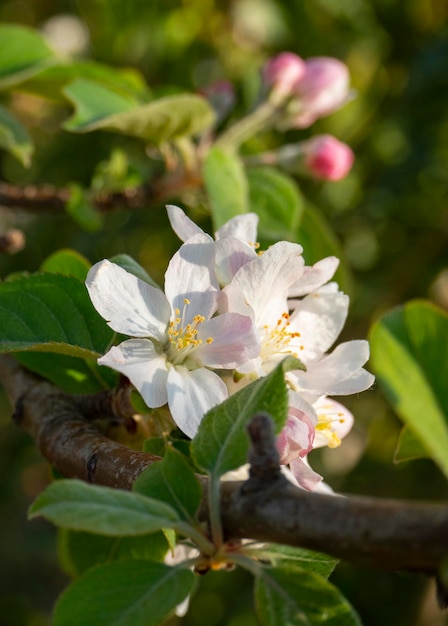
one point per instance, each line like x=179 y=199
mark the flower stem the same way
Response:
x=262 y=118
x=214 y=503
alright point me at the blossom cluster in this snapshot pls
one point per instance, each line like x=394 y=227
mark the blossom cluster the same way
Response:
x=228 y=315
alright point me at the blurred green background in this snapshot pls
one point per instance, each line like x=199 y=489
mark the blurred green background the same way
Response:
x=390 y=215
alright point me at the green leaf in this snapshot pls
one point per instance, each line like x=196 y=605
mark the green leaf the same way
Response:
x=67 y=262
x=78 y=551
x=222 y=443
x=280 y=555
x=14 y=138
x=277 y=201
x=226 y=185
x=69 y=373
x=51 y=313
x=173 y=481
x=77 y=505
x=82 y=211
x=137 y=593
x=291 y=596
x=167 y=119
x=130 y=265
x=155 y=445
x=409 y=357
x=24 y=54
x=409 y=447
x=318 y=241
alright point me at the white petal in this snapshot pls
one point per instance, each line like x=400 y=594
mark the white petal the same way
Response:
x=182 y=225
x=128 y=304
x=232 y=300
x=235 y=340
x=143 y=365
x=231 y=254
x=314 y=277
x=338 y=373
x=191 y=394
x=319 y=319
x=242 y=227
x=340 y=418
x=191 y=276
x=265 y=281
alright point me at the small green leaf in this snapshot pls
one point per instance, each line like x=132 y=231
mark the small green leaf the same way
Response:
x=78 y=551
x=51 y=313
x=291 y=596
x=410 y=360
x=67 y=262
x=226 y=185
x=82 y=211
x=137 y=593
x=130 y=265
x=24 y=54
x=77 y=505
x=277 y=201
x=409 y=447
x=173 y=481
x=155 y=445
x=222 y=443
x=160 y=121
x=280 y=555
x=14 y=138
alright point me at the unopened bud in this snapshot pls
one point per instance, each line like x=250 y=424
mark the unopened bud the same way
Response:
x=281 y=74
x=327 y=158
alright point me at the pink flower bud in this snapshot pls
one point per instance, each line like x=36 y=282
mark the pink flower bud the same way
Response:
x=327 y=158
x=322 y=89
x=282 y=73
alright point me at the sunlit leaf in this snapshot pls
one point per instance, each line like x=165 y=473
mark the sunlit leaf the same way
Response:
x=67 y=262
x=410 y=360
x=14 y=137
x=280 y=555
x=409 y=446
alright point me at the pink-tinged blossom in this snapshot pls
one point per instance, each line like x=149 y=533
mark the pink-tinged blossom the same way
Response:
x=176 y=343
x=327 y=158
x=281 y=74
x=235 y=241
x=323 y=88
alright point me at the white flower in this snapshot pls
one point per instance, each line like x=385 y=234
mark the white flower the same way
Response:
x=176 y=342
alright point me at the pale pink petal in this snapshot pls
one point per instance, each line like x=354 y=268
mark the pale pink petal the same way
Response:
x=191 y=276
x=314 y=277
x=306 y=477
x=242 y=227
x=182 y=225
x=234 y=341
x=265 y=281
x=128 y=304
x=319 y=318
x=338 y=373
x=143 y=365
x=231 y=254
x=232 y=299
x=334 y=417
x=191 y=393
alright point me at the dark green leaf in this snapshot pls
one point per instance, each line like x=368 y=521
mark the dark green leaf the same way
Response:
x=409 y=447
x=226 y=185
x=126 y=593
x=51 y=313
x=14 y=138
x=291 y=596
x=82 y=211
x=409 y=357
x=280 y=555
x=130 y=265
x=277 y=201
x=167 y=119
x=67 y=262
x=173 y=481
x=79 y=551
x=24 y=54
x=155 y=445
x=222 y=443
x=78 y=505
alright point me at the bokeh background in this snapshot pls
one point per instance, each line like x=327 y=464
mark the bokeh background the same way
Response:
x=390 y=216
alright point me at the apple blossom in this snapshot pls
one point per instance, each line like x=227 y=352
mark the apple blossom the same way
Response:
x=176 y=342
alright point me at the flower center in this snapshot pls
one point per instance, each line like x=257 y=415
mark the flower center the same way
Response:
x=182 y=336
x=325 y=426
x=276 y=339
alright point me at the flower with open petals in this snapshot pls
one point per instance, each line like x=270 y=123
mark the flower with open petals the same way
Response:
x=176 y=342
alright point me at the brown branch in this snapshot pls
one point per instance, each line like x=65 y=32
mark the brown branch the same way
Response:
x=388 y=534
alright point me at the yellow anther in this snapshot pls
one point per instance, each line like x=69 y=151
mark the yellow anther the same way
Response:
x=187 y=301
x=210 y=340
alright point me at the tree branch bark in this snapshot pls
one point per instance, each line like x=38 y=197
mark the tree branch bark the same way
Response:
x=387 y=534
